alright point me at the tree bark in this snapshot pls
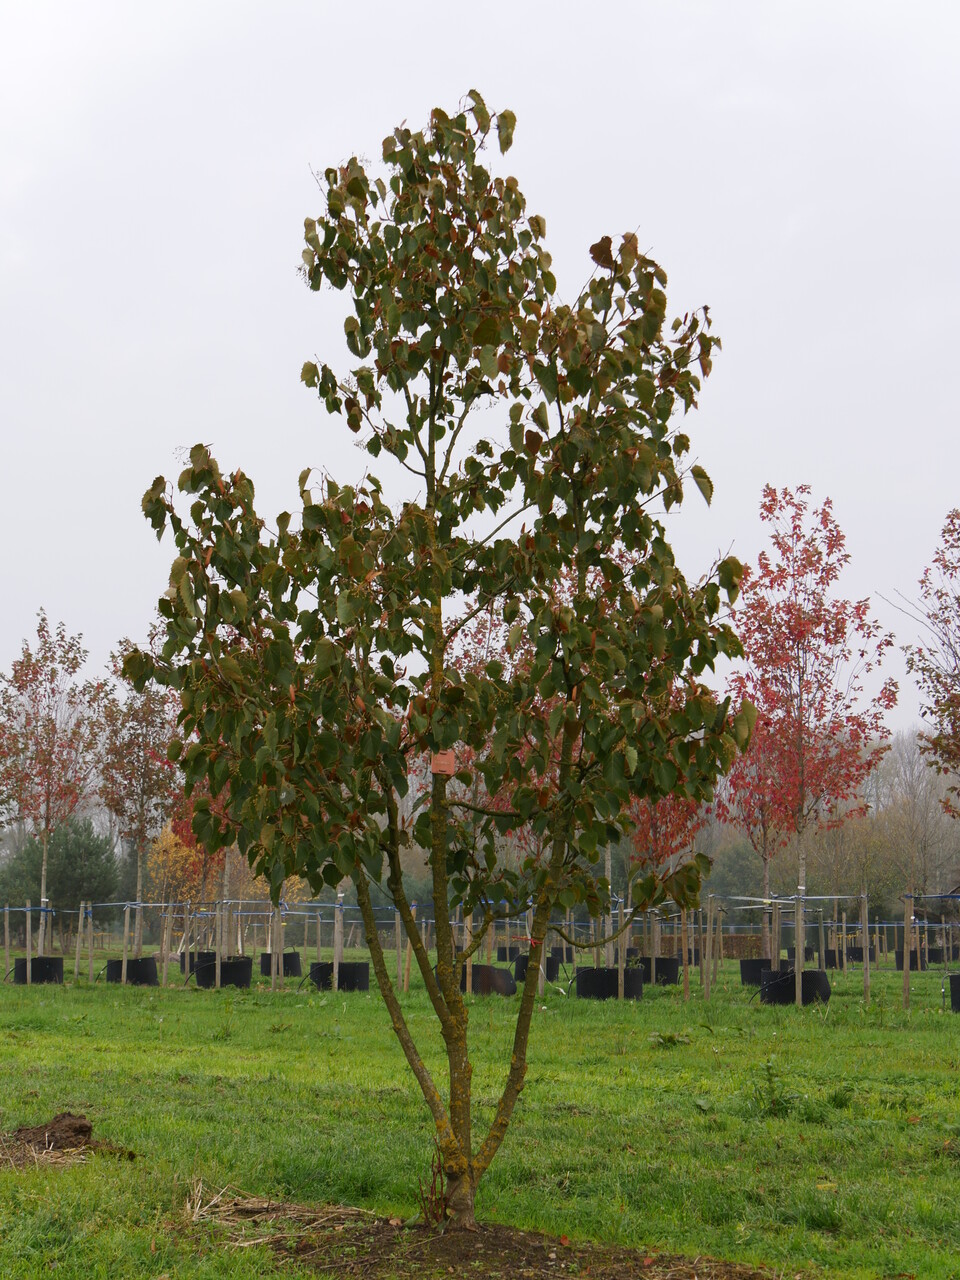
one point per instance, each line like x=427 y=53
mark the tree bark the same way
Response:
x=42 y=930
x=138 y=923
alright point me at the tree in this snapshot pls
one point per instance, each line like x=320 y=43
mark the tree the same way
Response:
x=49 y=738
x=752 y=798
x=138 y=783
x=81 y=866
x=936 y=661
x=315 y=664
x=808 y=652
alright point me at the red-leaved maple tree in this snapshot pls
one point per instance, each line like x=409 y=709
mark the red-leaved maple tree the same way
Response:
x=808 y=653
x=750 y=798
x=936 y=660
x=49 y=738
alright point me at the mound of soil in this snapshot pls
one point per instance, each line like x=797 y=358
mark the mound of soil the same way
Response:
x=64 y=1138
x=65 y=1132
x=354 y=1244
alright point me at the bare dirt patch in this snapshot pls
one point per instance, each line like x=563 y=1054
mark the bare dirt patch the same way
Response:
x=353 y=1243
x=66 y=1139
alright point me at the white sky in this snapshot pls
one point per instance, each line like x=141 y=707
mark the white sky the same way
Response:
x=793 y=165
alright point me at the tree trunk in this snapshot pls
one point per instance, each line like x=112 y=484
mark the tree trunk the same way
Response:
x=42 y=931
x=765 y=953
x=138 y=923
x=608 y=923
x=460 y=1193
x=799 y=931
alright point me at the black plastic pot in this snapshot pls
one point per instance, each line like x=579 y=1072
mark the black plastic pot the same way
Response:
x=291 y=964
x=42 y=969
x=955 y=992
x=668 y=970
x=235 y=971
x=807 y=953
x=751 y=971
x=205 y=970
x=488 y=980
x=913 y=962
x=141 y=972
x=778 y=987
x=563 y=954
x=503 y=956
x=197 y=960
x=603 y=984
x=552 y=968
x=354 y=975
x=935 y=955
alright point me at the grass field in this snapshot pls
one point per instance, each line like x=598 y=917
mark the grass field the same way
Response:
x=824 y=1141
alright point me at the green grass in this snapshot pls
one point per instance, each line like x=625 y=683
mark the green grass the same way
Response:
x=824 y=1139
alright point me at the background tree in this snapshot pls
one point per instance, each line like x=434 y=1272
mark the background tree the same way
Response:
x=936 y=661
x=138 y=783
x=315 y=665
x=754 y=799
x=81 y=866
x=808 y=652
x=49 y=738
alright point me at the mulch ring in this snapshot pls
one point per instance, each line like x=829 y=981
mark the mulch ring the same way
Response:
x=354 y=1243
x=64 y=1140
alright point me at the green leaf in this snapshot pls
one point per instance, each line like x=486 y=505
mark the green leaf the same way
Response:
x=546 y=375
x=480 y=112
x=346 y=613
x=506 y=123
x=703 y=483
x=488 y=361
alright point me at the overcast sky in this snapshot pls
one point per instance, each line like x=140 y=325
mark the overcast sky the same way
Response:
x=793 y=165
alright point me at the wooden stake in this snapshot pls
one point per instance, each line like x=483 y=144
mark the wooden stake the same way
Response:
x=775 y=938
x=907 y=914
x=406 y=967
x=126 y=940
x=799 y=947
x=90 y=943
x=274 y=940
x=337 y=941
x=621 y=952
x=29 y=944
x=398 y=939
x=843 y=940
x=166 y=937
x=218 y=944
x=467 y=943
x=76 y=960
x=708 y=957
x=718 y=947
x=684 y=943
x=6 y=940
x=700 y=942
x=823 y=957
x=654 y=947
x=865 y=932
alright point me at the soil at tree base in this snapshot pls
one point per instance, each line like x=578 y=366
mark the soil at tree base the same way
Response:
x=381 y=1249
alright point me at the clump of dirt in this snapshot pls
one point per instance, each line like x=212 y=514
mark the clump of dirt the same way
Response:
x=65 y=1132
x=63 y=1140
x=353 y=1243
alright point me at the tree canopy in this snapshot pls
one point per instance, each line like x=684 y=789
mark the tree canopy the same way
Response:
x=315 y=660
